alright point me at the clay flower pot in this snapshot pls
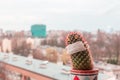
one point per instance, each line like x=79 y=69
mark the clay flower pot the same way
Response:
x=84 y=74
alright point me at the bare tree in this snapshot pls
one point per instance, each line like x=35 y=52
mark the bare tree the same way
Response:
x=116 y=46
x=37 y=54
x=51 y=55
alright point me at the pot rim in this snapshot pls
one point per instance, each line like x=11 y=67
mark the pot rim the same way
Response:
x=94 y=71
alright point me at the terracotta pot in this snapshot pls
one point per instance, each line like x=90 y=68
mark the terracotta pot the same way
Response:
x=84 y=74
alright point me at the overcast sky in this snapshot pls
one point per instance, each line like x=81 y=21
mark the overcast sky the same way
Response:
x=86 y=15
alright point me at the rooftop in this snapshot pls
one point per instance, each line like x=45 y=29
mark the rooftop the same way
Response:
x=51 y=70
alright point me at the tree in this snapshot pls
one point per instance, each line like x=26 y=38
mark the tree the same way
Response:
x=116 y=46
x=37 y=54
x=51 y=55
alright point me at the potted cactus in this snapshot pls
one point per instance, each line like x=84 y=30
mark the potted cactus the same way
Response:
x=82 y=62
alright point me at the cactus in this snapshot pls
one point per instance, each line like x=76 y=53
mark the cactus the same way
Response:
x=81 y=60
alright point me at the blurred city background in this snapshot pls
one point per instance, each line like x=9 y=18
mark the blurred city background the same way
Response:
x=104 y=46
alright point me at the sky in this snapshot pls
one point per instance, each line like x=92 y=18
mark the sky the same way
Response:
x=88 y=15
